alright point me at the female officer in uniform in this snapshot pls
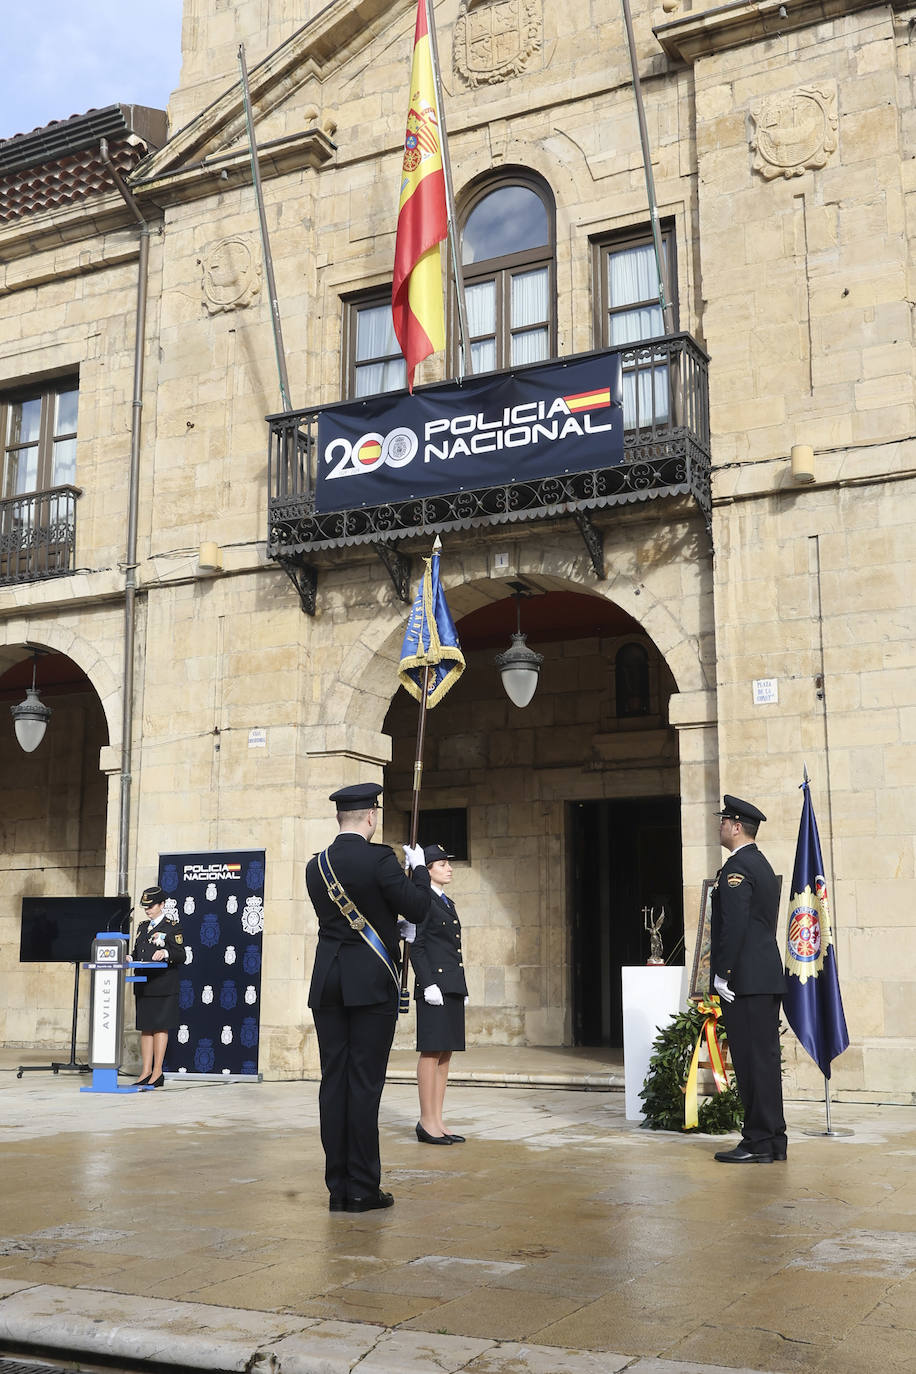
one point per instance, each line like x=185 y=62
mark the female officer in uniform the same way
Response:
x=440 y=992
x=158 y=939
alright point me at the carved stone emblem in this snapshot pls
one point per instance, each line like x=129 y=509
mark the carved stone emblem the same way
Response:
x=496 y=39
x=231 y=274
x=794 y=131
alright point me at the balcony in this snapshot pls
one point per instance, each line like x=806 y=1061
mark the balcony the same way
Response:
x=38 y=535
x=665 y=453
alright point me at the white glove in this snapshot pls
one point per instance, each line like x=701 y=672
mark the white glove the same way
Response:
x=433 y=995
x=414 y=855
x=723 y=989
x=407 y=930
x=466 y=1000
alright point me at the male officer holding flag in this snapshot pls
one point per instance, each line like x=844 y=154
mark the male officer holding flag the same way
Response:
x=359 y=892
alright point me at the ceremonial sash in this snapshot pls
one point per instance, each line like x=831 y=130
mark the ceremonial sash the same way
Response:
x=354 y=917
x=711 y=1009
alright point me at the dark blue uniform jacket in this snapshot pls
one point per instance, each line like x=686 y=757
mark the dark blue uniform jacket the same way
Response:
x=745 y=911
x=372 y=878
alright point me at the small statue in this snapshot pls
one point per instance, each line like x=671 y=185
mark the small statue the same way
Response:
x=653 y=925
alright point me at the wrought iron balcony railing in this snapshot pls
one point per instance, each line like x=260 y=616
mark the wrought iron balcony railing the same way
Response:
x=666 y=453
x=38 y=535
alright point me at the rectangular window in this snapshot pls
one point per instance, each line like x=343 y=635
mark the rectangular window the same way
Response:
x=629 y=311
x=37 y=481
x=38 y=429
x=374 y=359
x=447 y=826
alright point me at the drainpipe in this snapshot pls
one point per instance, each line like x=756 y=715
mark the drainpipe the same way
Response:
x=130 y=557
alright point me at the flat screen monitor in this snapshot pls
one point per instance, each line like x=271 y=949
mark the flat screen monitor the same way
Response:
x=60 y=930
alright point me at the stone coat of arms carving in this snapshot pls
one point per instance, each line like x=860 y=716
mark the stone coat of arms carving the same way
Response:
x=231 y=272
x=794 y=131
x=496 y=39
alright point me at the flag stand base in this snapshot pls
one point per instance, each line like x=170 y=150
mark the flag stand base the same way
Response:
x=833 y=1132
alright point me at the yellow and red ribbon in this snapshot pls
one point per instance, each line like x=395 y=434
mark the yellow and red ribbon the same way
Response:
x=709 y=1008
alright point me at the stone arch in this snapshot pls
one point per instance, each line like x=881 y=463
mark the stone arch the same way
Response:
x=99 y=673
x=369 y=667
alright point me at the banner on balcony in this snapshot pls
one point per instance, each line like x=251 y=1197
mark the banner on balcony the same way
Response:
x=544 y=421
x=218 y=899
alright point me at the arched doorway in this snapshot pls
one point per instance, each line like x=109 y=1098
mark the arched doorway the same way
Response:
x=52 y=831
x=564 y=817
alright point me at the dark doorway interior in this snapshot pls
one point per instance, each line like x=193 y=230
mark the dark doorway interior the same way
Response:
x=625 y=856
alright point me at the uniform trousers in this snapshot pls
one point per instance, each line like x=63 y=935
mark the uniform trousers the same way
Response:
x=752 y=1027
x=353 y=1043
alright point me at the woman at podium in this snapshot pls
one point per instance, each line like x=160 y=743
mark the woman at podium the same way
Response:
x=159 y=939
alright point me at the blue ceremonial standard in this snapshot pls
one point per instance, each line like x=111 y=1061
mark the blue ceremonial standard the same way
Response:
x=430 y=640
x=812 y=1003
x=536 y=422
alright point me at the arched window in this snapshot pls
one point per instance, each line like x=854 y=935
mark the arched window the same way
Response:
x=631 y=680
x=507 y=257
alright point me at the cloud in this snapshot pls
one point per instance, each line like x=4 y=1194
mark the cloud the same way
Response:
x=62 y=59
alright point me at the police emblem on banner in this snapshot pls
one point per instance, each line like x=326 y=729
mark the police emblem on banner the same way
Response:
x=809 y=935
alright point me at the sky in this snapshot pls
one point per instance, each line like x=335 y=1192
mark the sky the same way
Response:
x=64 y=57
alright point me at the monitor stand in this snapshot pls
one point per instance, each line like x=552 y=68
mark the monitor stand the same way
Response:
x=73 y=1064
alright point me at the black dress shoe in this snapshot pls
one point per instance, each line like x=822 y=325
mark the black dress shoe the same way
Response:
x=456 y=1139
x=142 y=1082
x=780 y=1155
x=337 y=1204
x=742 y=1155
x=425 y=1138
x=369 y=1204
x=157 y=1082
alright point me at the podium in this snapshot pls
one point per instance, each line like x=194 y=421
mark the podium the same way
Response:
x=652 y=994
x=108 y=989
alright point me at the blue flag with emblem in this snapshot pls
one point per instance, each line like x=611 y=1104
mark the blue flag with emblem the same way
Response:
x=431 y=640
x=812 y=1003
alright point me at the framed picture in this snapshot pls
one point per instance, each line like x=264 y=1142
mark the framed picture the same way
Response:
x=700 y=974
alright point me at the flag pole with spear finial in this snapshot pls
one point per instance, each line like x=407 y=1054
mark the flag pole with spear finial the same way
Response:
x=431 y=663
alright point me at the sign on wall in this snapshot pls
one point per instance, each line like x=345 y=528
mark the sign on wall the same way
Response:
x=538 y=422
x=219 y=900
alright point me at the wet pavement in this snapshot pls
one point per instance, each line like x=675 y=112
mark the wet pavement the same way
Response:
x=189 y=1227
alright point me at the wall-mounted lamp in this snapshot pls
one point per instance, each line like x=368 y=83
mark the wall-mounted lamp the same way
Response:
x=802 y=456
x=210 y=557
x=518 y=665
x=30 y=717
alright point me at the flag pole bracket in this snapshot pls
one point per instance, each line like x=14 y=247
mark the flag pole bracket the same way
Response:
x=593 y=540
x=397 y=565
x=304 y=578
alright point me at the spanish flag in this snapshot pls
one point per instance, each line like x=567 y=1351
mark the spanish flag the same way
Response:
x=416 y=297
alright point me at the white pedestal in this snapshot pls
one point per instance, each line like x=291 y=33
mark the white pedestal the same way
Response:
x=652 y=994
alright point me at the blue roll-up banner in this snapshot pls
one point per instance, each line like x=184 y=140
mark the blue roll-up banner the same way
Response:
x=218 y=899
x=537 y=422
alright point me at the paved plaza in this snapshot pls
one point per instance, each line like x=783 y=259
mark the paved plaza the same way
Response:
x=189 y=1226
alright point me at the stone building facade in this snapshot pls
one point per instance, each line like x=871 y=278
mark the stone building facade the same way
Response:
x=778 y=136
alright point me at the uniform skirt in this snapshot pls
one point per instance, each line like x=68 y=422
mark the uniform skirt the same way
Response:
x=157 y=1013
x=440 y=1029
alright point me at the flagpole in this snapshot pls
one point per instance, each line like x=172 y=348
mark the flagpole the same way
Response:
x=464 y=354
x=265 y=241
x=415 y=817
x=647 y=169
x=430 y=641
x=808 y=862
x=415 y=804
